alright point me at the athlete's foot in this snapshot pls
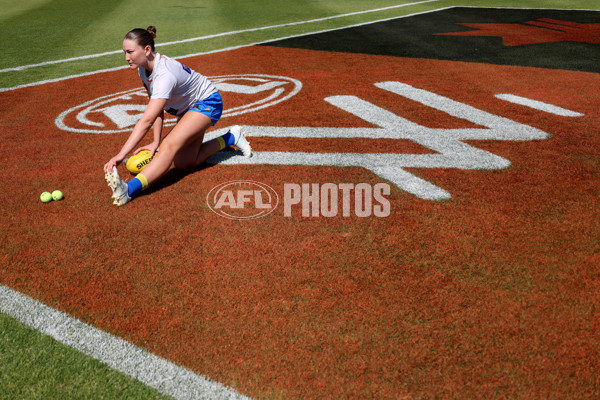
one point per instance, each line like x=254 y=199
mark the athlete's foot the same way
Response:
x=119 y=188
x=240 y=140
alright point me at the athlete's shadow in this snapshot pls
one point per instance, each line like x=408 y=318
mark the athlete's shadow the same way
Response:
x=174 y=175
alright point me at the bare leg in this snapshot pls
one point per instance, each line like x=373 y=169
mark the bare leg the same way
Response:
x=196 y=153
x=186 y=138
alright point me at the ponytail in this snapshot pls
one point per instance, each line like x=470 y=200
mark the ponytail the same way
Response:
x=143 y=37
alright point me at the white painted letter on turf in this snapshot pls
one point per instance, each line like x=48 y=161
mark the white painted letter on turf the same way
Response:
x=449 y=149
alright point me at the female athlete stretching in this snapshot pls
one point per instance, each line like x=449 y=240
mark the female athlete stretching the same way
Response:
x=180 y=91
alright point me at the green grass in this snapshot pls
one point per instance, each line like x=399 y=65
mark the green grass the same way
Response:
x=35 y=366
x=33 y=31
x=40 y=33
x=43 y=31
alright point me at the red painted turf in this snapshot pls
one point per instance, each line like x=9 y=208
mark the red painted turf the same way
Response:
x=492 y=294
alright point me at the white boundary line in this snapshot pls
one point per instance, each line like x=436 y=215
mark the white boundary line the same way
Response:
x=262 y=28
x=273 y=40
x=156 y=372
x=118 y=354
x=221 y=50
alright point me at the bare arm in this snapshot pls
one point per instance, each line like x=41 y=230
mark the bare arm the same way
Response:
x=157 y=129
x=154 y=110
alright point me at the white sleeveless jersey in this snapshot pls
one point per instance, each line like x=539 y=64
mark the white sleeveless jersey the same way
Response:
x=180 y=85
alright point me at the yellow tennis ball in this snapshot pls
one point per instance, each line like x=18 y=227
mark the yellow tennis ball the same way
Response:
x=46 y=197
x=57 y=195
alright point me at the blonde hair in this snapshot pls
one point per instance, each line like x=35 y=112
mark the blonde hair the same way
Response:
x=143 y=37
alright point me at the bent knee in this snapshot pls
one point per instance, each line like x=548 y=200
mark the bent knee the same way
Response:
x=183 y=165
x=182 y=162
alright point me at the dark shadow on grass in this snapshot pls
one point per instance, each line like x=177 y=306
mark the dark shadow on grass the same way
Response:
x=174 y=175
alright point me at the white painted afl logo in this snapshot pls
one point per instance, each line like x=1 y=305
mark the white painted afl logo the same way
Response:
x=119 y=112
x=242 y=200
